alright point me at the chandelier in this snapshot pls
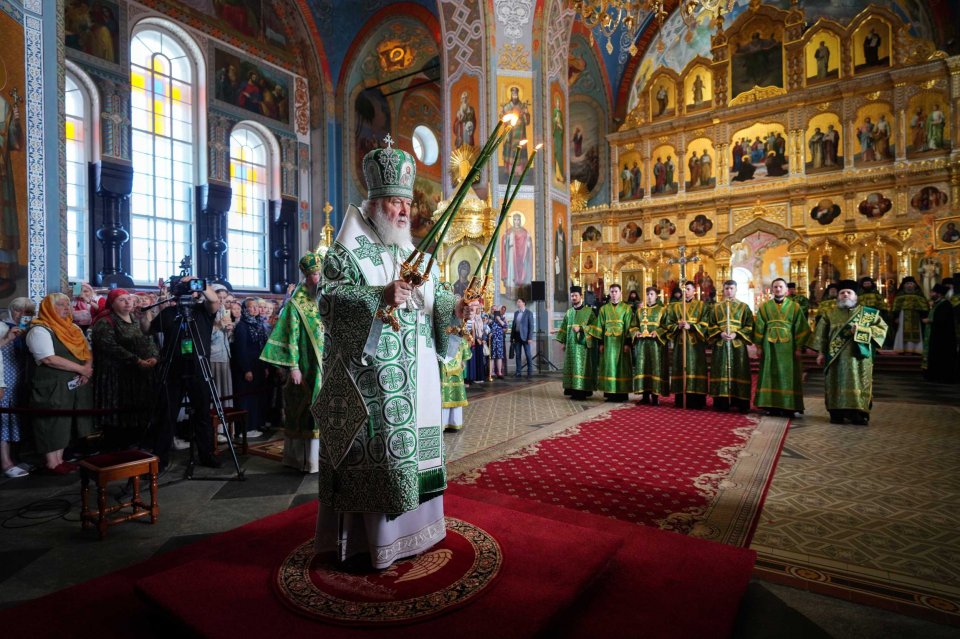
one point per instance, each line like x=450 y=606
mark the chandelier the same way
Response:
x=609 y=15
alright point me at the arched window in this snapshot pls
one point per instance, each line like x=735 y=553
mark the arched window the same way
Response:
x=78 y=146
x=163 y=141
x=251 y=172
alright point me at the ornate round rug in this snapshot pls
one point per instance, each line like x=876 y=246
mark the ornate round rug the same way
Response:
x=445 y=577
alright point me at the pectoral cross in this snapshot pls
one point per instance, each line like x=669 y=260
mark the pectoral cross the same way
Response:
x=682 y=261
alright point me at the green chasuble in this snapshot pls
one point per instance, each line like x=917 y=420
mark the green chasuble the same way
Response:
x=912 y=304
x=730 y=366
x=578 y=362
x=824 y=307
x=803 y=301
x=780 y=330
x=297 y=342
x=848 y=339
x=612 y=330
x=698 y=316
x=452 y=391
x=650 y=350
x=873 y=299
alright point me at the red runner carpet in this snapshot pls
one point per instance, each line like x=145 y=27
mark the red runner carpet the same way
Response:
x=654 y=465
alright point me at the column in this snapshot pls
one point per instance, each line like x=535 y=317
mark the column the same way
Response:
x=213 y=202
x=112 y=183
x=283 y=249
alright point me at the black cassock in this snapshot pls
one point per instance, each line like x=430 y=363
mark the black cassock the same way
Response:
x=941 y=345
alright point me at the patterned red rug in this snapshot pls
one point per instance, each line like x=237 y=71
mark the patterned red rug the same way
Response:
x=696 y=472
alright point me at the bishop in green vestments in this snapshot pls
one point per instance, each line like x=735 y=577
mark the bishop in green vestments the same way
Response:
x=731 y=333
x=615 y=376
x=780 y=331
x=296 y=344
x=689 y=321
x=579 y=375
x=846 y=338
x=650 y=350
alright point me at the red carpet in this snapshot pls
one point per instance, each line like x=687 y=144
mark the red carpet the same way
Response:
x=658 y=466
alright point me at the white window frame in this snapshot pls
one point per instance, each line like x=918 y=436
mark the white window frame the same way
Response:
x=80 y=250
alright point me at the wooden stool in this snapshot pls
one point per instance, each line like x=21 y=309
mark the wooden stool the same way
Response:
x=110 y=467
x=235 y=416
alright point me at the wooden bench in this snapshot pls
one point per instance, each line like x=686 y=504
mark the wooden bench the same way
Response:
x=235 y=416
x=125 y=464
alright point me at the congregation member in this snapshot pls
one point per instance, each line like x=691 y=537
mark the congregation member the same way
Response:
x=846 y=338
x=85 y=306
x=869 y=296
x=452 y=389
x=12 y=381
x=124 y=363
x=909 y=308
x=731 y=334
x=60 y=380
x=498 y=348
x=828 y=301
x=780 y=331
x=251 y=391
x=612 y=332
x=296 y=346
x=521 y=336
x=688 y=325
x=220 y=350
x=579 y=374
x=477 y=370
x=650 y=370
x=940 y=339
x=799 y=298
x=382 y=504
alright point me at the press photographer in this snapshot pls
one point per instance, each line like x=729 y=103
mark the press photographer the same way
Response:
x=190 y=298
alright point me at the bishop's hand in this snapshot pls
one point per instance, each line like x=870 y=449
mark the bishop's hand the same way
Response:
x=396 y=293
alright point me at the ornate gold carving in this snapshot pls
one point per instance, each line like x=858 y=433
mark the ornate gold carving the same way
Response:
x=929 y=84
x=514 y=57
x=578 y=196
x=873 y=95
x=918 y=50
x=700 y=132
x=823 y=106
x=757 y=93
x=663 y=139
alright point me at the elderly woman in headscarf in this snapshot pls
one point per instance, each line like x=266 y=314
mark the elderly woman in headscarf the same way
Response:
x=61 y=380
x=249 y=372
x=124 y=361
x=13 y=364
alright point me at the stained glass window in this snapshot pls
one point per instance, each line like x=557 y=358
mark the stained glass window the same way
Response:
x=78 y=155
x=250 y=171
x=162 y=141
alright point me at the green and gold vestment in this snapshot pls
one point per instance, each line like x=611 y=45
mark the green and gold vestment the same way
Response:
x=650 y=373
x=579 y=369
x=453 y=392
x=730 y=365
x=779 y=331
x=848 y=339
x=612 y=329
x=912 y=306
x=698 y=316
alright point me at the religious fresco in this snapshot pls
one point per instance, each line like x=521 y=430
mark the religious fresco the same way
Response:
x=871 y=45
x=757 y=60
x=513 y=96
x=875 y=206
x=371 y=124
x=589 y=262
x=13 y=161
x=632 y=282
x=947 y=233
x=698 y=88
x=755 y=262
x=561 y=257
x=664 y=229
x=516 y=251
x=700 y=164
x=93 y=27
x=558 y=134
x=663 y=170
x=663 y=97
x=460 y=264
x=590 y=235
x=929 y=199
x=825 y=211
x=630 y=233
x=824 y=143
x=427 y=194
x=928 y=123
x=700 y=225
x=758 y=151
x=251 y=86
x=822 y=55
x=630 y=174
x=585 y=143
x=875 y=134
x=463 y=111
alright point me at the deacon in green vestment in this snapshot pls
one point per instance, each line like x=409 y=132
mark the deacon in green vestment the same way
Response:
x=296 y=345
x=615 y=375
x=650 y=375
x=453 y=392
x=909 y=308
x=689 y=321
x=846 y=339
x=867 y=295
x=731 y=333
x=780 y=331
x=829 y=300
x=799 y=298
x=579 y=374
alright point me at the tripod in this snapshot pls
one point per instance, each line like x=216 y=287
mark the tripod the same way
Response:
x=187 y=340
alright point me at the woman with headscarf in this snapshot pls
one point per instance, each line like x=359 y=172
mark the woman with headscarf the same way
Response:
x=124 y=359
x=61 y=380
x=249 y=371
x=13 y=364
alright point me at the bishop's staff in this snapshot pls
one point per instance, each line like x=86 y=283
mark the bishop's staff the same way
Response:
x=682 y=261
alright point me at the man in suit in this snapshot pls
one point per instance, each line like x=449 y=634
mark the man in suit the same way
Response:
x=521 y=334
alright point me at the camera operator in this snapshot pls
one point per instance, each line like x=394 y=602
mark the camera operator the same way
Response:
x=185 y=375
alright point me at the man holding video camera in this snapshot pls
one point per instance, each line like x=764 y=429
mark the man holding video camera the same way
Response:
x=191 y=297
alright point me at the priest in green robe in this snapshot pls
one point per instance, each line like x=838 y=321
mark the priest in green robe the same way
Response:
x=579 y=374
x=296 y=346
x=688 y=325
x=612 y=330
x=846 y=339
x=868 y=295
x=780 y=331
x=909 y=308
x=453 y=392
x=731 y=333
x=828 y=301
x=382 y=471
x=650 y=373
x=799 y=298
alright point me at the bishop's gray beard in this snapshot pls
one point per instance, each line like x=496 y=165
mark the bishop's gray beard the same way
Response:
x=390 y=234
x=846 y=303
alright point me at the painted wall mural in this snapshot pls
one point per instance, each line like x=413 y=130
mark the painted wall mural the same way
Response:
x=663 y=178
x=631 y=176
x=252 y=86
x=875 y=206
x=698 y=88
x=757 y=152
x=561 y=257
x=824 y=143
x=699 y=165
x=13 y=162
x=929 y=123
x=822 y=54
x=558 y=133
x=875 y=126
x=825 y=212
x=516 y=251
x=585 y=142
x=464 y=112
x=514 y=97
x=93 y=27
x=757 y=61
x=871 y=45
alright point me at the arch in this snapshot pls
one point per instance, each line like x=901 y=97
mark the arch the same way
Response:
x=780 y=232
x=273 y=152
x=92 y=99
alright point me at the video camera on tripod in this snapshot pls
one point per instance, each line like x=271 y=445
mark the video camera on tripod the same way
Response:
x=181 y=289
